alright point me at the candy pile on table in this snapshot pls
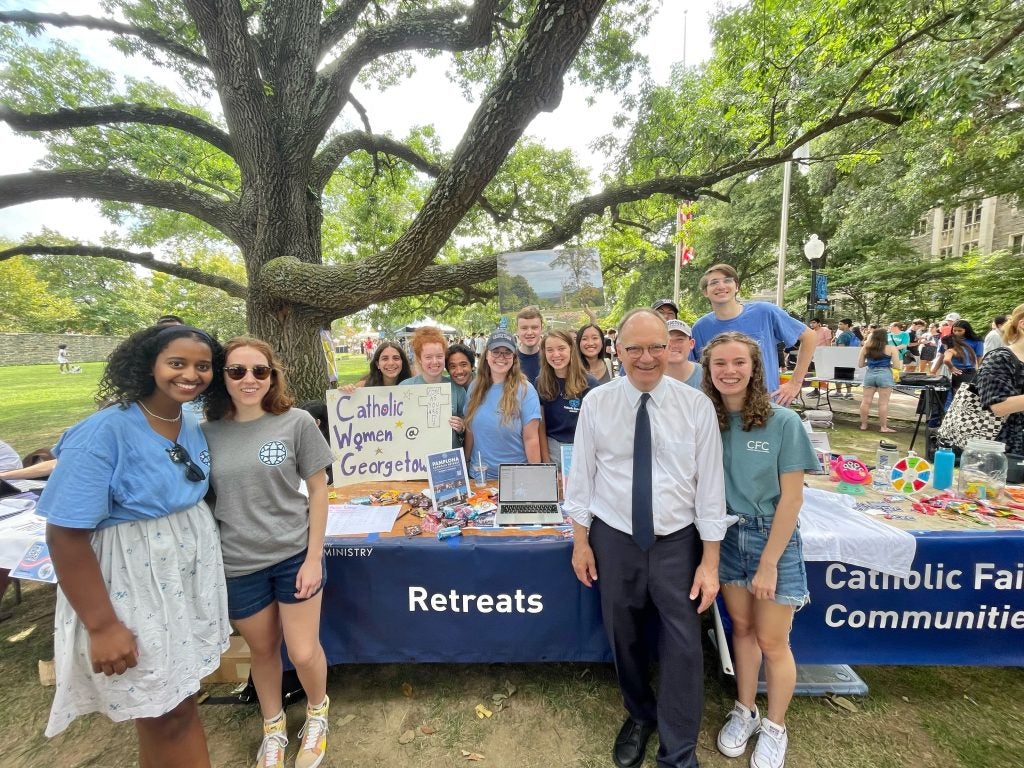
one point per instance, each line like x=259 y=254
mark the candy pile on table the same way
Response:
x=947 y=503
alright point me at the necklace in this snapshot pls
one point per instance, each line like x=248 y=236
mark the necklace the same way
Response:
x=142 y=405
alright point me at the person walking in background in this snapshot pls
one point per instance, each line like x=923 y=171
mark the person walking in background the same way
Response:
x=927 y=346
x=766 y=323
x=272 y=536
x=821 y=332
x=766 y=452
x=994 y=338
x=141 y=614
x=880 y=359
x=648 y=514
x=900 y=339
x=63 y=359
x=846 y=338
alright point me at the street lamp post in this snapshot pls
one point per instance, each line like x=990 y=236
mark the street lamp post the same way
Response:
x=813 y=250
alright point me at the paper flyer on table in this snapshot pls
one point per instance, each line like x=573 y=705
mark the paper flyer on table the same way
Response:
x=35 y=564
x=349 y=519
x=449 y=481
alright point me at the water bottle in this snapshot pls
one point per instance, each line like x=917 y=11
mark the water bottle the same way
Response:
x=886 y=456
x=942 y=473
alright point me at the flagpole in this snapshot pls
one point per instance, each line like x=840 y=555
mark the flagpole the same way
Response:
x=780 y=284
x=679 y=254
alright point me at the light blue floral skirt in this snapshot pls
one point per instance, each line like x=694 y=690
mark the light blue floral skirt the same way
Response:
x=166 y=582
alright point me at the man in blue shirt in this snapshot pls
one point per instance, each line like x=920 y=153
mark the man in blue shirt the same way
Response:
x=765 y=323
x=529 y=331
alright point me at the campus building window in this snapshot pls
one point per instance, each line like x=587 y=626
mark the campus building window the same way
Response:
x=948 y=220
x=920 y=228
x=1017 y=244
x=969 y=246
x=946 y=252
x=972 y=214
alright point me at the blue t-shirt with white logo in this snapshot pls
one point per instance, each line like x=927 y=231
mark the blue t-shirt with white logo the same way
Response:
x=754 y=460
x=113 y=468
x=561 y=414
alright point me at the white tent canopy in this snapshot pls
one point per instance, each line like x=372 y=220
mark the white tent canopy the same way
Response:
x=410 y=329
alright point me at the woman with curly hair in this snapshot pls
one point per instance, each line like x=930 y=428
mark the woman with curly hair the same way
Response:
x=503 y=412
x=141 y=612
x=562 y=384
x=272 y=536
x=765 y=451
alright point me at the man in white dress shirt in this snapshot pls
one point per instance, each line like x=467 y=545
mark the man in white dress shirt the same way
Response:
x=667 y=569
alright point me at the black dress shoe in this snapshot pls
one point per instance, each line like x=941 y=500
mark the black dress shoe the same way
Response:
x=631 y=743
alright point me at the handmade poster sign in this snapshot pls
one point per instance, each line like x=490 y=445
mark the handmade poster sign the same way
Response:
x=385 y=433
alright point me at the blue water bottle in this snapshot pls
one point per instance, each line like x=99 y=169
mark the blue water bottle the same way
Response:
x=942 y=477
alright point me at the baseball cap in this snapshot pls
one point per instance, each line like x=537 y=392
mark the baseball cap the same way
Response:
x=665 y=303
x=501 y=339
x=678 y=325
x=953 y=317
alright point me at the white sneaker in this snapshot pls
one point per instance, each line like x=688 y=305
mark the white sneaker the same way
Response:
x=770 y=751
x=275 y=741
x=740 y=725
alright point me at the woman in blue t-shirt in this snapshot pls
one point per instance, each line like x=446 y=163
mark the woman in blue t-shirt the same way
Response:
x=503 y=412
x=561 y=385
x=141 y=614
x=765 y=451
x=879 y=357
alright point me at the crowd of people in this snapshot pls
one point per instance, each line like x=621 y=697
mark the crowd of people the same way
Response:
x=686 y=481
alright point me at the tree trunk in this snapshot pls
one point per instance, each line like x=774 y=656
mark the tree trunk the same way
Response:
x=295 y=336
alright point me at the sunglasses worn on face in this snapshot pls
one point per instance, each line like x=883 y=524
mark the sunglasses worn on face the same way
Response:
x=237 y=372
x=179 y=455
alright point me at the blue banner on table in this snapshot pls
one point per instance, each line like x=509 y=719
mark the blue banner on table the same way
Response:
x=963 y=604
x=468 y=599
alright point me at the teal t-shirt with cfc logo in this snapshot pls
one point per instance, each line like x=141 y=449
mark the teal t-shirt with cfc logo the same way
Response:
x=754 y=460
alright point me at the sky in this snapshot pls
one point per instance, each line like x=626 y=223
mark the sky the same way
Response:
x=575 y=124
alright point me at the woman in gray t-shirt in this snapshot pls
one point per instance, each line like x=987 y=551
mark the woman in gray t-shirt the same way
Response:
x=272 y=534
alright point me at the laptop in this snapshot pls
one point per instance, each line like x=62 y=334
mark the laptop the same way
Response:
x=528 y=495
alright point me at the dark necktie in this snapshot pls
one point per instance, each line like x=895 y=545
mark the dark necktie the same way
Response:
x=643 y=509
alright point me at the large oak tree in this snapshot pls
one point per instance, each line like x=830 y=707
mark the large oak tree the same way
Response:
x=284 y=72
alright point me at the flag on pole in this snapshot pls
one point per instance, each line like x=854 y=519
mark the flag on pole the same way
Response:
x=684 y=252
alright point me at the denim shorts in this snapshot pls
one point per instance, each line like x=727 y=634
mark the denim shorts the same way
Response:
x=250 y=594
x=880 y=378
x=741 y=552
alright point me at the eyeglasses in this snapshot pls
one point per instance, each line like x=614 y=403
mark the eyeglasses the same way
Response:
x=654 y=350
x=179 y=455
x=721 y=281
x=501 y=352
x=237 y=372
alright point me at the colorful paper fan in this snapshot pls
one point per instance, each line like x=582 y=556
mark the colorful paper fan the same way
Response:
x=911 y=474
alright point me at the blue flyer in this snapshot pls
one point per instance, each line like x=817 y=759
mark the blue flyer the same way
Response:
x=449 y=482
x=35 y=564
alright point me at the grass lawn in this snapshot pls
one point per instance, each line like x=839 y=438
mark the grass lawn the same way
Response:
x=558 y=715
x=39 y=402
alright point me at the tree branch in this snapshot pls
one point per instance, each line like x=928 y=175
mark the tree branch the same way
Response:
x=118 y=113
x=19 y=188
x=339 y=23
x=435 y=28
x=145 y=259
x=343 y=145
x=151 y=36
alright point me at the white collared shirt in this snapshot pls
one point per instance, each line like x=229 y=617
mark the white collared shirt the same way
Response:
x=688 y=477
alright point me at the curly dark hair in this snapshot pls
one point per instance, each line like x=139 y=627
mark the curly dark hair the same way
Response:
x=757 y=407
x=128 y=376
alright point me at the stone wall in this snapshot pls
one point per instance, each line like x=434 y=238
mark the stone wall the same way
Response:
x=33 y=348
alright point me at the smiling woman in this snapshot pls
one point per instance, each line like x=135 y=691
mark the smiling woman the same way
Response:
x=429 y=345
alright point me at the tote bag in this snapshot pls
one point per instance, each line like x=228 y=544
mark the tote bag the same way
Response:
x=967 y=420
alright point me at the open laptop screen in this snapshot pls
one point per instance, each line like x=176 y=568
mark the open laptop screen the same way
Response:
x=527 y=483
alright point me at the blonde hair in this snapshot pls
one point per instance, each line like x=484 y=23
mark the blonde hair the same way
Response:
x=1011 y=332
x=757 y=407
x=515 y=383
x=575 y=376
